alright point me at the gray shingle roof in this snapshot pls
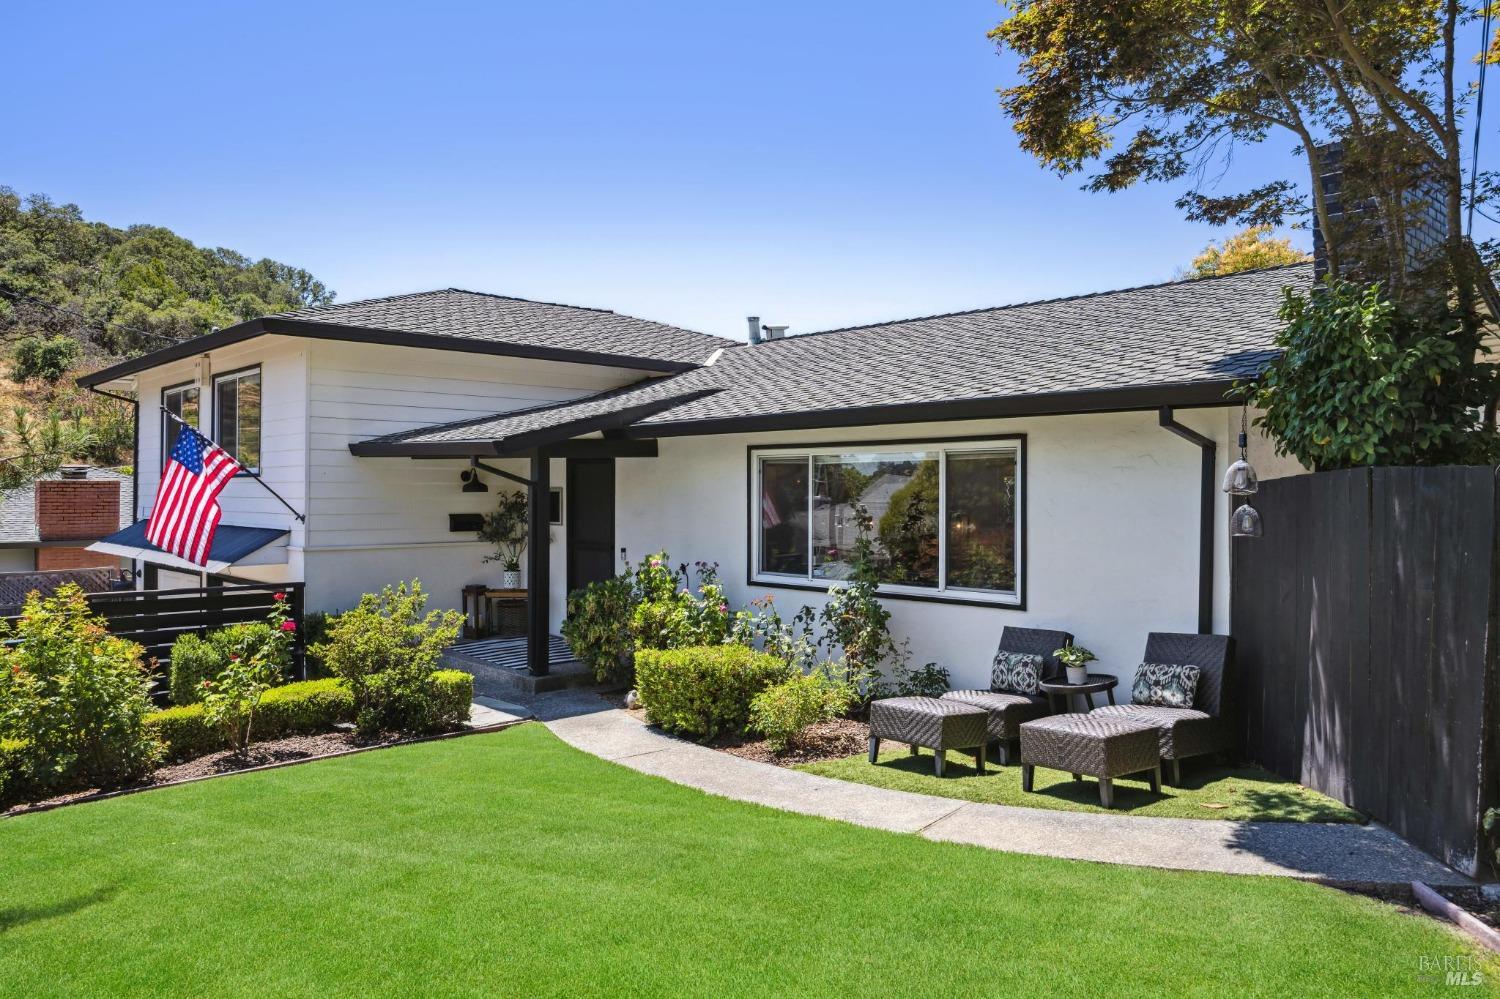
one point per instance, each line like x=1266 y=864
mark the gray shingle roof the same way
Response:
x=18 y=508
x=1175 y=343
x=472 y=315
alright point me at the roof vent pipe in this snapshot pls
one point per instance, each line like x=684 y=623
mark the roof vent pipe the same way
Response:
x=775 y=332
x=74 y=471
x=754 y=322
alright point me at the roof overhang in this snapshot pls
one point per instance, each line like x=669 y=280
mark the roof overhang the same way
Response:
x=274 y=325
x=232 y=546
x=552 y=439
x=1187 y=395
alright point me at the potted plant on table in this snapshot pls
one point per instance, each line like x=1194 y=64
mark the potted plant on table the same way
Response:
x=1076 y=659
x=505 y=527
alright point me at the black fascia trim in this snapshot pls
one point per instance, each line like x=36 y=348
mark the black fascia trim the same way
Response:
x=522 y=443
x=361 y=334
x=1189 y=395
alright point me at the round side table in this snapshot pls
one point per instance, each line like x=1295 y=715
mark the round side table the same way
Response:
x=1097 y=683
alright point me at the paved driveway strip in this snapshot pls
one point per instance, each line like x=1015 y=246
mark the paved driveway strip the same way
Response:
x=1336 y=853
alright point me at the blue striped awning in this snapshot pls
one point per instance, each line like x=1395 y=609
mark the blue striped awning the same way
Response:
x=231 y=545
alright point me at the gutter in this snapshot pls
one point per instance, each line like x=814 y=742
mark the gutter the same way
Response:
x=307 y=329
x=1209 y=452
x=135 y=445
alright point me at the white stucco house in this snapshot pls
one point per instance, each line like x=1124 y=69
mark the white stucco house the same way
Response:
x=1052 y=464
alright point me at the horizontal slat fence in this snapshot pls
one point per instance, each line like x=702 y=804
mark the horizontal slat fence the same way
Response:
x=154 y=618
x=1365 y=621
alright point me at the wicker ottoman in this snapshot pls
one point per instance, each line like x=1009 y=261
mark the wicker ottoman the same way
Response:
x=935 y=724
x=1007 y=712
x=1099 y=746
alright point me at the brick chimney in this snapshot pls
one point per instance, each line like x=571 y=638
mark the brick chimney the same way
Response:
x=75 y=507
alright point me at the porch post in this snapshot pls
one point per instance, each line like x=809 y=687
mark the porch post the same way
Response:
x=538 y=563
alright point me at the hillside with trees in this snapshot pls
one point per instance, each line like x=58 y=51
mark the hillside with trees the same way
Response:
x=76 y=295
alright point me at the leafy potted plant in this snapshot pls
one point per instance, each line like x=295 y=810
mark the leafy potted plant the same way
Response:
x=505 y=527
x=1076 y=659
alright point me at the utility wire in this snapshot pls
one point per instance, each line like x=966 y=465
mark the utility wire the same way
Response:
x=1484 y=63
x=92 y=323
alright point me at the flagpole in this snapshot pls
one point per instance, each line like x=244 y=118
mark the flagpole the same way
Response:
x=254 y=475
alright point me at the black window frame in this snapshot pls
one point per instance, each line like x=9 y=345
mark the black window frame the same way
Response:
x=220 y=376
x=955 y=596
x=166 y=421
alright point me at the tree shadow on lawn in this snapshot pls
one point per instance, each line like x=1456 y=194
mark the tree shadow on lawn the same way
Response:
x=20 y=915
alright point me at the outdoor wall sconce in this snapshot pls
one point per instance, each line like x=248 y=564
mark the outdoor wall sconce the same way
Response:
x=472 y=482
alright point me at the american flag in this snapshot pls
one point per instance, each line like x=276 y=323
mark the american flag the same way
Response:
x=187 y=504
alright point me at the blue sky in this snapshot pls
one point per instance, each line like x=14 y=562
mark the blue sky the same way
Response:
x=819 y=164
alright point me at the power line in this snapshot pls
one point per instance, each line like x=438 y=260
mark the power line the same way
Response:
x=1484 y=62
x=92 y=323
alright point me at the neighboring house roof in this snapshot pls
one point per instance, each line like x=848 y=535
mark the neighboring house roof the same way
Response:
x=1181 y=343
x=470 y=321
x=18 y=528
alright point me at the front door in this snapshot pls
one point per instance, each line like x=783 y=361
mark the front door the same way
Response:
x=590 y=523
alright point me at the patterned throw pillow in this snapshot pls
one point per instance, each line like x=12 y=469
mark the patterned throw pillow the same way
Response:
x=1164 y=686
x=1016 y=672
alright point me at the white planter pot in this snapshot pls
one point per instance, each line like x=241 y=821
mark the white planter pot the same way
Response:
x=1078 y=674
x=510 y=579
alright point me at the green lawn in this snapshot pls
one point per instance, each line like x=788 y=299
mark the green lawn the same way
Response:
x=511 y=864
x=1208 y=791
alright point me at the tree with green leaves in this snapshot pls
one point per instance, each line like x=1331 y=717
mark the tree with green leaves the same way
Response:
x=1249 y=249
x=1165 y=90
x=123 y=291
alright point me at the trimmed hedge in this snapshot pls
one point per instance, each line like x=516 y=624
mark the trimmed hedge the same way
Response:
x=193 y=660
x=295 y=709
x=454 y=690
x=704 y=690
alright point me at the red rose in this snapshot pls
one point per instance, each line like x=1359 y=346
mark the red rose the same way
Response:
x=289 y=626
x=280 y=596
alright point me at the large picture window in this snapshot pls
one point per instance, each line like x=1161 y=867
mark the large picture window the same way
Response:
x=182 y=402
x=237 y=416
x=941 y=519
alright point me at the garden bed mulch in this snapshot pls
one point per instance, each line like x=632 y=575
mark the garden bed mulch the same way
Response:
x=830 y=740
x=262 y=755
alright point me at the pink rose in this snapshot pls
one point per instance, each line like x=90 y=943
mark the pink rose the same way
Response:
x=289 y=626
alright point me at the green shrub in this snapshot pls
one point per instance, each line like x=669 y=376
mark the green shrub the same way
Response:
x=193 y=660
x=15 y=778
x=705 y=690
x=453 y=692
x=784 y=711
x=387 y=649
x=76 y=695
x=48 y=359
x=260 y=640
x=294 y=709
x=314 y=633
x=184 y=732
x=597 y=628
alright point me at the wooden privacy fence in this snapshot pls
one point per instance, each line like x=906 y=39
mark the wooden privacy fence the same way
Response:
x=154 y=618
x=1366 y=622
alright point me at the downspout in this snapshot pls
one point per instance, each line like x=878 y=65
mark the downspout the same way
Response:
x=1205 y=516
x=135 y=452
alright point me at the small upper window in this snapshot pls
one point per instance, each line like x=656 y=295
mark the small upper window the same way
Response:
x=181 y=402
x=237 y=417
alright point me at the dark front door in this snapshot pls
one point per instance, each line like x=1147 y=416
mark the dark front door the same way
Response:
x=591 y=521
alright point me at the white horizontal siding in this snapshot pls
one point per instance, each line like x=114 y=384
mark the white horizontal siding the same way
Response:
x=283 y=364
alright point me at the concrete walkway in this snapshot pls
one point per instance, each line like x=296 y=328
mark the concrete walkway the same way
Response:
x=1341 y=854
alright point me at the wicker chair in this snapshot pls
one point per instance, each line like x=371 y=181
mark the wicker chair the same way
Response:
x=1206 y=727
x=1008 y=710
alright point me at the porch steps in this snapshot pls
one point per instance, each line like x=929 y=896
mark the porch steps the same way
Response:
x=499 y=667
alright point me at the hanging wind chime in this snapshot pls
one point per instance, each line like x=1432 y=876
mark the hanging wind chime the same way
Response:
x=1240 y=480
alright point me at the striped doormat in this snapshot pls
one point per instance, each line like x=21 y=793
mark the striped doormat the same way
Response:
x=510 y=653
